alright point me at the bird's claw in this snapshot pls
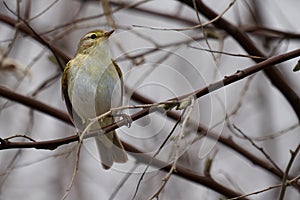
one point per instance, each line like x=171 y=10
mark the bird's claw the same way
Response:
x=126 y=118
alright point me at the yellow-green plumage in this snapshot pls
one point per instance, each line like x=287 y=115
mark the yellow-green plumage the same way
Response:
x=92 y=84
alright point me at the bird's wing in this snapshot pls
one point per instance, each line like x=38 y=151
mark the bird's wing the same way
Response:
x=64 y=88
x=120 y=75
x=118 y=69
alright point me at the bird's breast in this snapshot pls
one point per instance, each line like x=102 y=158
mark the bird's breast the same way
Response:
x=94 y=88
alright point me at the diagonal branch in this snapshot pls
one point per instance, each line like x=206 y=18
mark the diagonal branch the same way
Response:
x=42 y=39
x=241 y=37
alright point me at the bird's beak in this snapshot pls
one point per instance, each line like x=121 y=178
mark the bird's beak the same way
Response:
x=108 y=33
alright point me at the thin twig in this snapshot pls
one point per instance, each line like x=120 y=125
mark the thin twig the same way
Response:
x=41 y=39
x=241 y=37
x=286 y=173
x=258 y=148
x=30 y=163
x=179 y=137
x=264 y=190
x=43 y=11
x=276 y=134
x=192 y=27
x=22 y=136
x=154 y=156
x=84 y=19
x=122 y=182
x=229 y=54
x=68 y=190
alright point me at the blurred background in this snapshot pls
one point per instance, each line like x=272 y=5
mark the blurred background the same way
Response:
x=237 y=140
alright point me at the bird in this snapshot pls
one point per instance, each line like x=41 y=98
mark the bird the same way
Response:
x=92 y=84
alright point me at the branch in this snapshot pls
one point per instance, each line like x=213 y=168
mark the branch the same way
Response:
x=257 y=147
x=198 y=93
x=52 y=144
x=264 y=190
x=285 y=182
x=35 y=104
x=273 y=74
x=55 y=143
x=240 y=74
x=270 y=32
x=42 y=39
x=181 y=171
x=155 y=13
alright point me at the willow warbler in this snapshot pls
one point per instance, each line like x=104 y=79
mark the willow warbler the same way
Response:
x=91 y=85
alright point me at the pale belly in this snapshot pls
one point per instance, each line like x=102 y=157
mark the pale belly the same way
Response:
x=93 y=94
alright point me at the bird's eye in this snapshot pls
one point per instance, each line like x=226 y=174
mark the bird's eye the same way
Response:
x=93 y=36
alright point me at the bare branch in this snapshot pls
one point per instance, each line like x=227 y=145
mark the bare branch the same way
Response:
x=272 y=73
x=286 y=173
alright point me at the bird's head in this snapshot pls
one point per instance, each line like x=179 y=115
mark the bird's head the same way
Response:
x=93 y=40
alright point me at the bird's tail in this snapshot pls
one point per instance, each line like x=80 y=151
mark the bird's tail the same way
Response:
x=110 y=149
